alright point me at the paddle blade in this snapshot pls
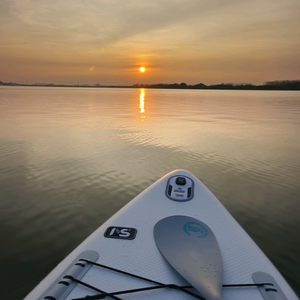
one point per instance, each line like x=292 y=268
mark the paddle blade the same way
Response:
x=193 y=251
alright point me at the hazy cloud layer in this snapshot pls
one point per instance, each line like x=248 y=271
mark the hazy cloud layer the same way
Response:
x=106 y=41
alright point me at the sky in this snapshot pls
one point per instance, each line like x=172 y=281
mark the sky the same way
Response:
x=107 y=41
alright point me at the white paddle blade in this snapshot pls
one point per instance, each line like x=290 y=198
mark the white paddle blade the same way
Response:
x=193 y=251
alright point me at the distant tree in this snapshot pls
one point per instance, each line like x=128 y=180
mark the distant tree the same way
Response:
x=183 y=85
x=283 y=84
x=199 y=85
x=1 y=83
x=222 y=86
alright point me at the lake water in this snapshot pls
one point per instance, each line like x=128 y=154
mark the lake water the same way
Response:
x=71 y=157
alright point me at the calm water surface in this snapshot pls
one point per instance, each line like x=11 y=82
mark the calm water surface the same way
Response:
x=71 y=157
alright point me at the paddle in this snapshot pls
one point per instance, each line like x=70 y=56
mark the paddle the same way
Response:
x=193 y=251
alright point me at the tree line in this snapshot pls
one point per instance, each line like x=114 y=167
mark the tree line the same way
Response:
x=269 y=85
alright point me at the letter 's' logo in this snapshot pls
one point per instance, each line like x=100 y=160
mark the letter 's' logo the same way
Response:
x=120 y=233
x=192 y=228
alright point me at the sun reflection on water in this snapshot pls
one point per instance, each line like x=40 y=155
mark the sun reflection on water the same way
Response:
x=142 y=105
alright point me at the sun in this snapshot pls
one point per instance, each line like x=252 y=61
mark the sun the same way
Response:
x=142 y=69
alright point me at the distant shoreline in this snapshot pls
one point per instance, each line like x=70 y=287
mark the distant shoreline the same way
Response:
x=284 y=85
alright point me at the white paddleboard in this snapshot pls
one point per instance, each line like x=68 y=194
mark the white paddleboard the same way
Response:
x=126 y=242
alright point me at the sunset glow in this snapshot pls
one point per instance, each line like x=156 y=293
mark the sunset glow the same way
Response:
x=183 y=41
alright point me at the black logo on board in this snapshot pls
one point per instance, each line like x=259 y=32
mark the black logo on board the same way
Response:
x=124 y=233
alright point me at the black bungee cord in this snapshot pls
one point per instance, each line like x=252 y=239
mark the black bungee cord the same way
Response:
x=159 y=285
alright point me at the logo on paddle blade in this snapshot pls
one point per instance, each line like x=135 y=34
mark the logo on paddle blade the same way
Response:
x=192 y=228
x=124 y=233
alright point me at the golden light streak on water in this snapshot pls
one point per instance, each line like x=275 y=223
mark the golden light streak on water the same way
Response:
x=142 y=105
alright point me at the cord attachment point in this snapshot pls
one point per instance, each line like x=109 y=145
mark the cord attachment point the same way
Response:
x=63 y=285
x=270 y=291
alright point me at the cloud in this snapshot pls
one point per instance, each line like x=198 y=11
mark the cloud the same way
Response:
x=100 y=22
x=171 y=38
x=5 y=9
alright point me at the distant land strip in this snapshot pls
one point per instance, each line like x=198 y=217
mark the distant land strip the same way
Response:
x=269 y=85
